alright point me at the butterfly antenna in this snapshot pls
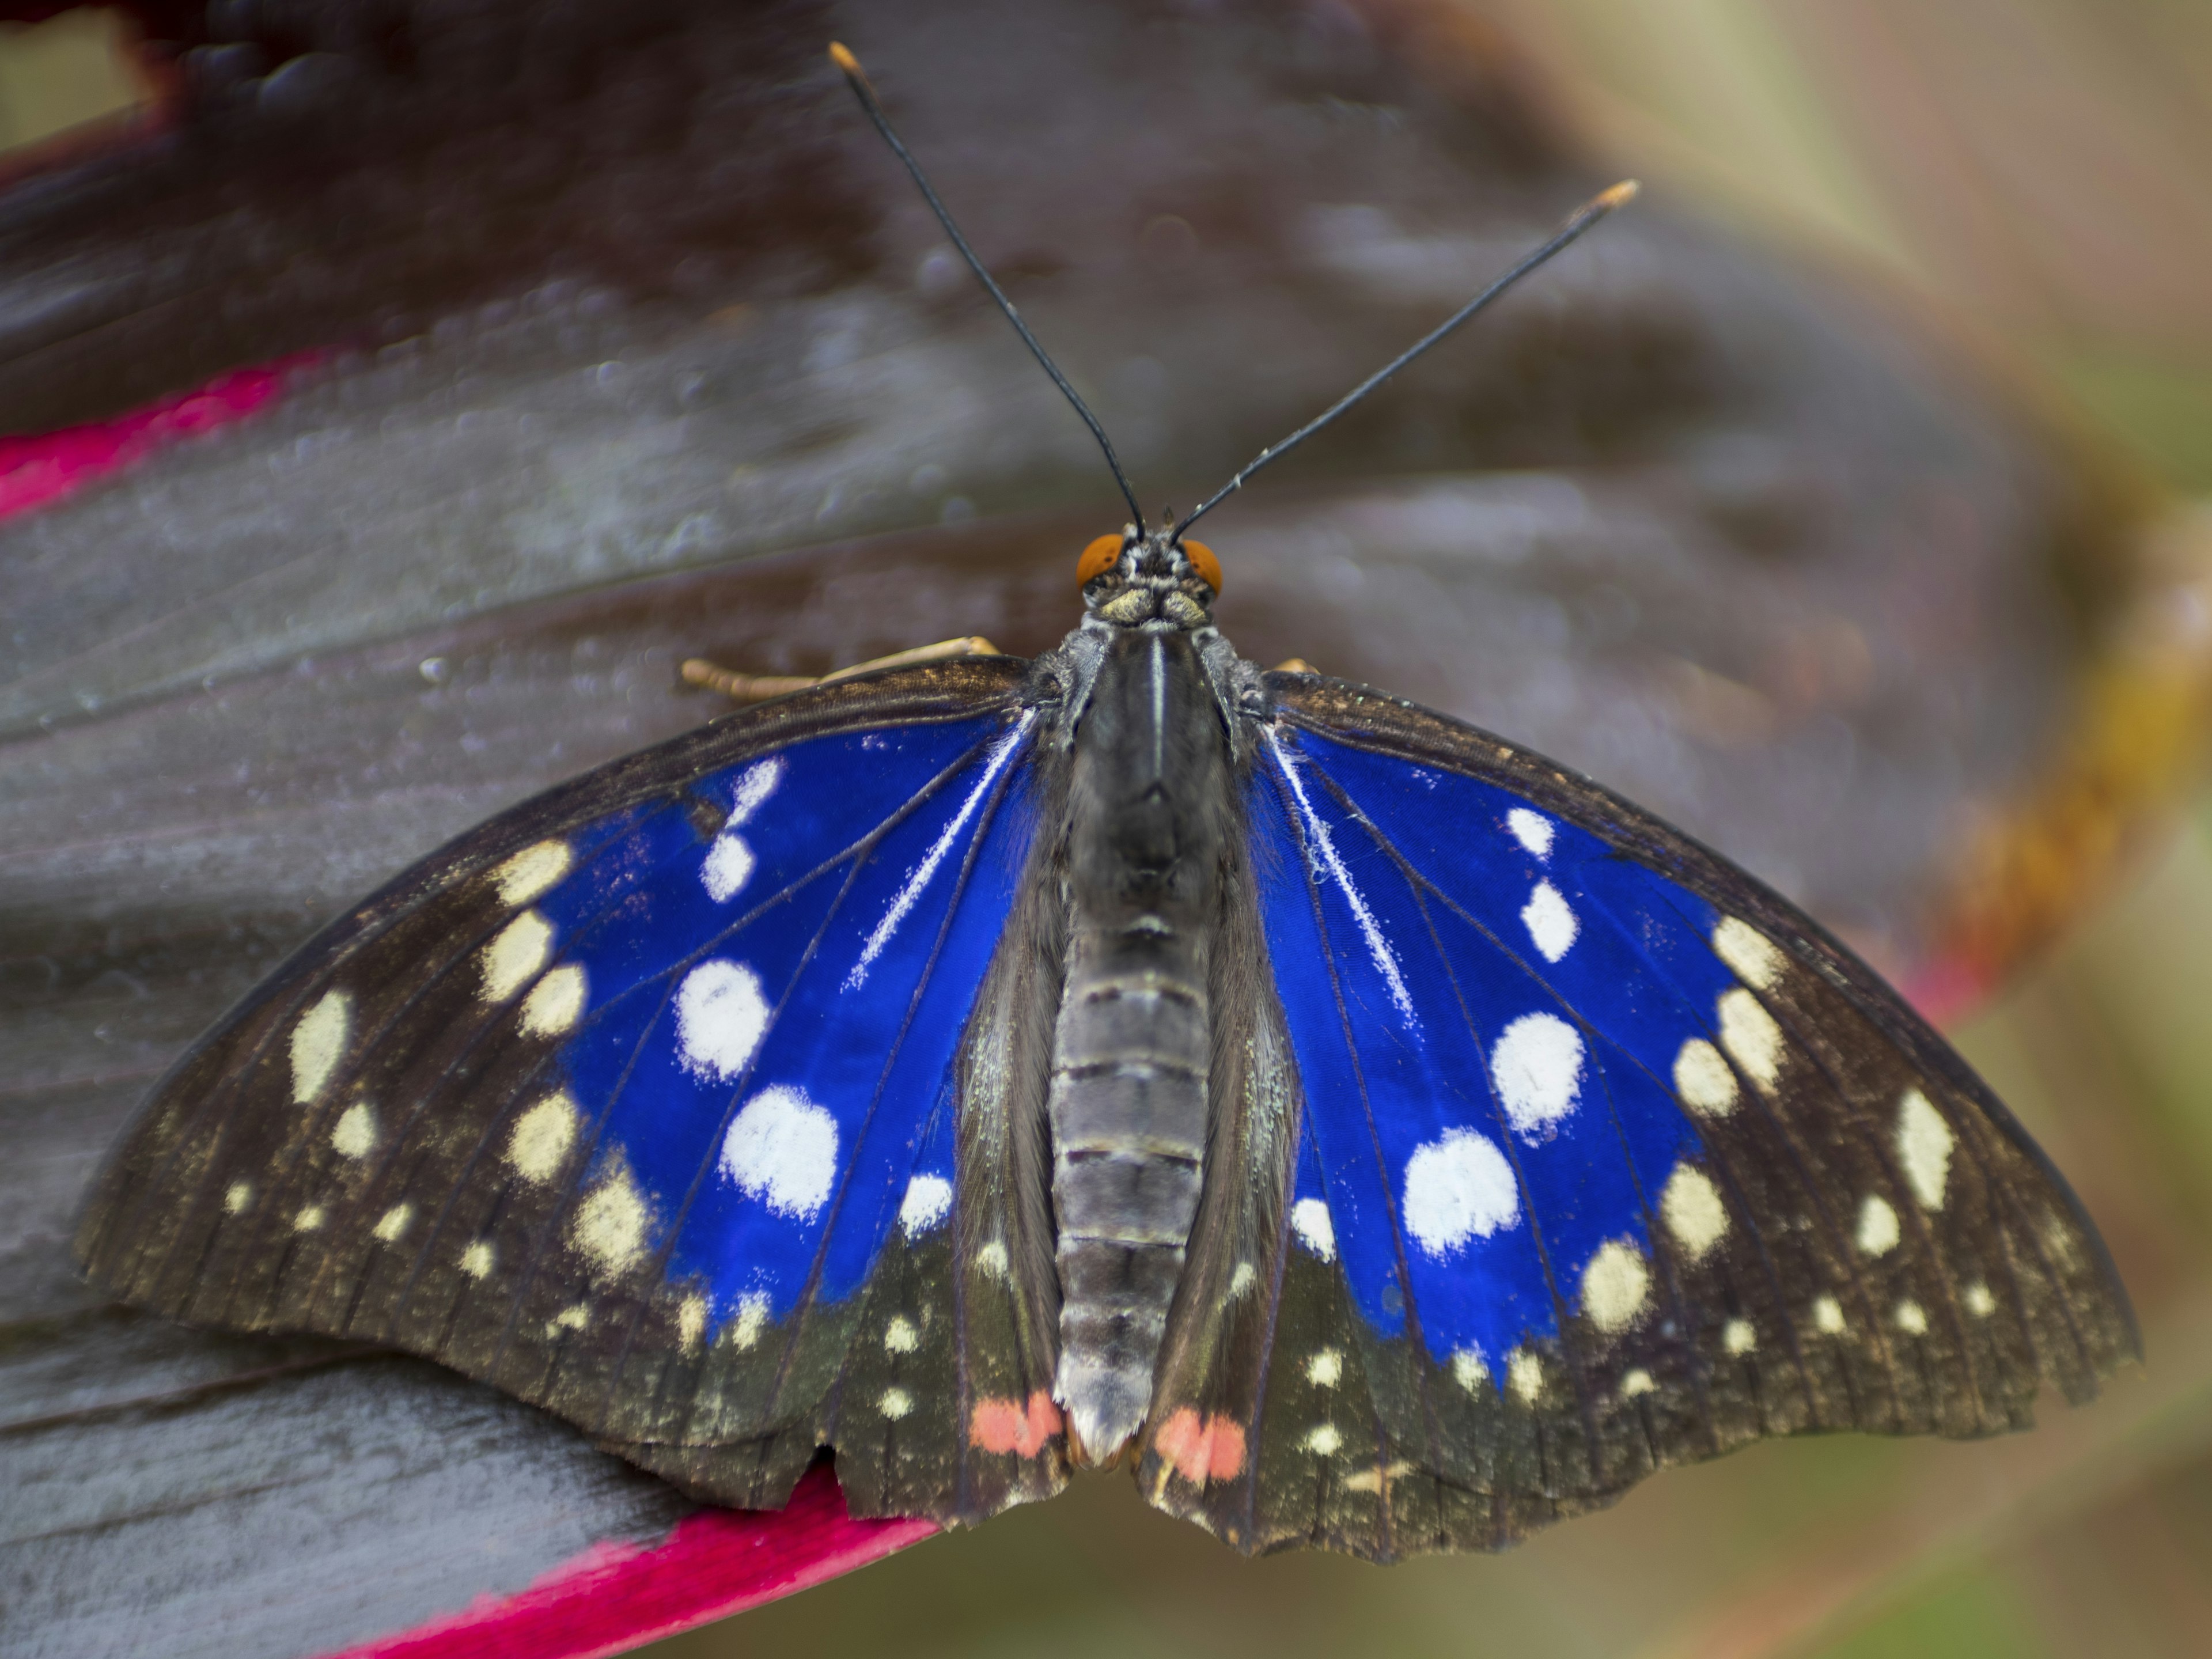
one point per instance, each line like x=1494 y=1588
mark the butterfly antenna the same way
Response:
x=1584 y=217
x=857 y=78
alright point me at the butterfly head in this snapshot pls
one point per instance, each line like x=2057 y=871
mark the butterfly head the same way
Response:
x=1149 y=577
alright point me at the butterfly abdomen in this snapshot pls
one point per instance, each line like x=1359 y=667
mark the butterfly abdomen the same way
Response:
x=1134 y=1040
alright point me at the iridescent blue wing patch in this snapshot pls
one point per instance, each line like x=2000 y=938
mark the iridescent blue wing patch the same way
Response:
x=1569 y=1151
x=660 y=1100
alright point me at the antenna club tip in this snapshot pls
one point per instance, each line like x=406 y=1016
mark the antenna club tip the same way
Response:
x=844 y=60
x=1620 y=196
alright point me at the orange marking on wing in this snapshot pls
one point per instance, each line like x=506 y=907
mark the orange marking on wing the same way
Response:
x=1009 y=1426
x=1200 y=1450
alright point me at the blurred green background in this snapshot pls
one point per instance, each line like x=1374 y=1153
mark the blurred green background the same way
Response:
x=2036 y=168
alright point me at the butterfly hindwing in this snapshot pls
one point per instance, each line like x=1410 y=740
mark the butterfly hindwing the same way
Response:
x=1603 y=1157
x=667 y=1101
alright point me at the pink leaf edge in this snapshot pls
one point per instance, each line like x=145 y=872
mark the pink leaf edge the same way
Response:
x=614 y=1597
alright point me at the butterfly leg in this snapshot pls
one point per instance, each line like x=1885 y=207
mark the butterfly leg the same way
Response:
x=752 y=688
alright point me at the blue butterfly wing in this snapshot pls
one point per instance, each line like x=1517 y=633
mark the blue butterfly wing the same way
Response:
x=1572 y=1151
x=659 y=1101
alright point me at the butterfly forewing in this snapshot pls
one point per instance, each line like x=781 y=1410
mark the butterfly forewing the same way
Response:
x=1605 y=1158
x=646 y=1102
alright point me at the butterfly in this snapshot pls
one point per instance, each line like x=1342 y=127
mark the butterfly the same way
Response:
x=976 y=1069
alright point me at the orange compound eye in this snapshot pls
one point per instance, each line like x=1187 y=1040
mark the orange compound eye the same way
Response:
x=1097 y=559
x=1208 y=567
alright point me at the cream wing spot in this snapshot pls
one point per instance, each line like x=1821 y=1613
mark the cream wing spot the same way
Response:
x=610 y=1224
x=782 y=1150
x=236 y=1197
x=1827 y=1316
x=690 y=1322
x=894 y=1403
x=1912 y=1318
x=1537 y=1065
x=514 y=959
x=1469 y=1370
x=574 y=1317
x=1524 y=1375
x=1878 y=1231
x=991 y=1260
x=752 y=1320
x=319 y=1043
x=1691 y=1208
x=391 y=1226
x=1750 y=955
x=721 y=1017
x=353 y=1135
x=1748 y=1032
x=1326 y=1368
x=541 y=1138
x=476 y=1261
x=900 y=1336
x=1310 y=1220
x=310 y=1219
x=1979 y=1303
x=1924 y=1143
x=1704 y=1080
x=1551 y=921
x=1458 y=1186
x=1616 y=1286
x=556 y=1002
x=1324 y=1440
x=532 y=872
x=1242 y=1279
x=1637 y=1382
x=1737 y=1336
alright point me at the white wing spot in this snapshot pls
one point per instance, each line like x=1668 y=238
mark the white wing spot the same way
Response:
x=910 y=894
x=1704 y=1079
x=1469 y=1370
x=752 y=1319
x=1827 y=1316
x=1524 y=1375
x=759 y=782
x=1322 y=1440
x=894 y=1403
x=1690 y=1205
x=1979 y=1301
x=1738 y=1337
x=609 y=1231
x=900 y=1336
x=1242 y=1279
x=476 y=1261
x=542 y=1136
x=512 y=960
x=1912 y=1318
x=1551 y=921
x=530 y=872
x=1378 y=948
x=720 y=1018
x=1750 y=955
x=782 y=1150
x=1532 y=829
x=236 y=1197
x=1924 y=1142
x=1458 y=1186
x=1878 y=1232
x=690 y=1322
x=353 y=1135
x=555 y=1002
x=1326 y=1368
x=1616 y=1285
x=1309 y=1221
x=1749 y=1033
x=991 y=1260
x=1638 y=1381
x=728 y=867
x=391 y=1226
x=928 y=1200
x=310 y=1219
x=1537 y=1065
x=318 y=1042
